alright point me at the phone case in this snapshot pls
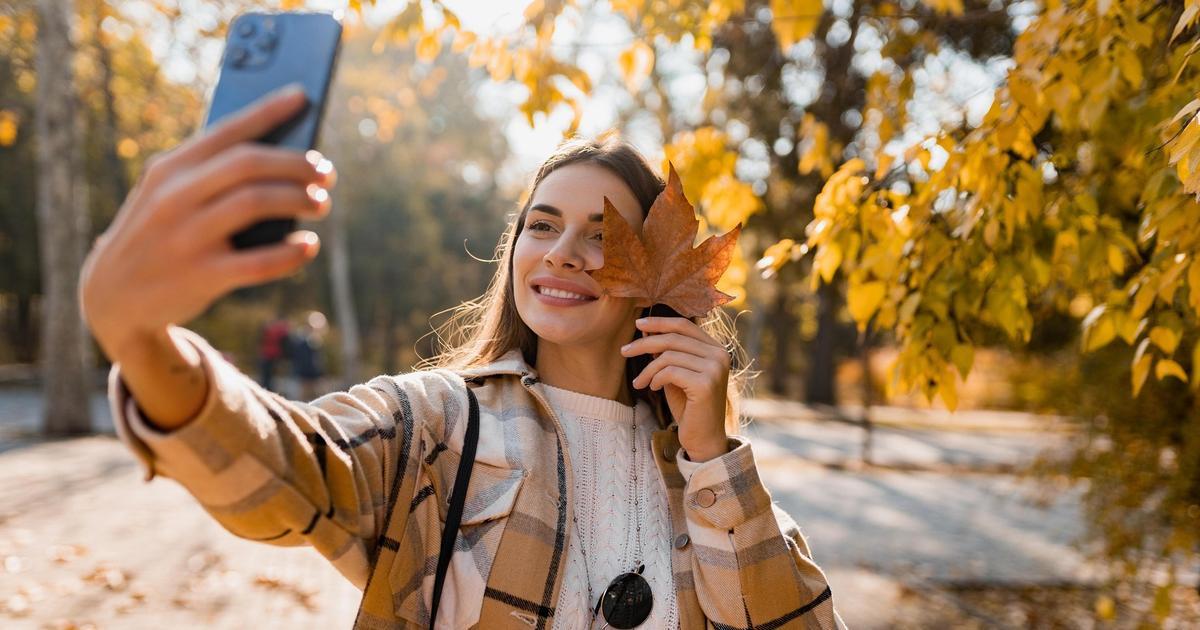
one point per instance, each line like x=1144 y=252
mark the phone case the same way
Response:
x=264 y=52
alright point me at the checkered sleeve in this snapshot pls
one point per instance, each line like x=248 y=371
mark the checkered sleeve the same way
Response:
x=285 y=472
x=742 y=537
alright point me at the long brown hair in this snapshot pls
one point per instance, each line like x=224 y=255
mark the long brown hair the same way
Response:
x=484 y=329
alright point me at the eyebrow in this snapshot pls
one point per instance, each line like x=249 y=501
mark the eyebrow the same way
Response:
x=549 y=209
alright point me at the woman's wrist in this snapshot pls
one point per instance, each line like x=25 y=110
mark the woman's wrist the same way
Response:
x=707 y=452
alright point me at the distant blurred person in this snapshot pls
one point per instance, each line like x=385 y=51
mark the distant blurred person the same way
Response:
x=305 y=354
x=272 y=345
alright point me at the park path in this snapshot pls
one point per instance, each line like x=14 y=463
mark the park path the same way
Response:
x=84 y=540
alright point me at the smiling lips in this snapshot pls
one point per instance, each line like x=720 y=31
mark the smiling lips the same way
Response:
x=561 y=292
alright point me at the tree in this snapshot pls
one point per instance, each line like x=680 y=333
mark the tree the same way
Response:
x=1076 y=194
x=62 y=226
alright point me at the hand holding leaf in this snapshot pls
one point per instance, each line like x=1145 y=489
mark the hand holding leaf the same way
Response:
x=662 y=267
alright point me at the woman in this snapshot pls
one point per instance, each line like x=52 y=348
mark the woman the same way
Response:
x=602 y=451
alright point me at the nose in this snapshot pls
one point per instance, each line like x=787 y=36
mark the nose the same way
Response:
x=563 y=255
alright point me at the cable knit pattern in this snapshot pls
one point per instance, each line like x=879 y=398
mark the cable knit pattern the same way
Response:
x=598 y=435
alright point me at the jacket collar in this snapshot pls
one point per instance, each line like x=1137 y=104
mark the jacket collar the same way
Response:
x=511 y=362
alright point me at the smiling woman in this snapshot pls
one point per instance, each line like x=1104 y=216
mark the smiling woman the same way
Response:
x=609 y=485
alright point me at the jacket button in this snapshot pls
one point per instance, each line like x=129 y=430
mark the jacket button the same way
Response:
x=706 y=497
x=669 y=453
x=681 y=541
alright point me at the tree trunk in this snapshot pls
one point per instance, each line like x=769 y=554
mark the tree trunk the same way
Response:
x=24 y=332
x=343 y=301
x=784 y=330
x=65 y=350
x=819 y=389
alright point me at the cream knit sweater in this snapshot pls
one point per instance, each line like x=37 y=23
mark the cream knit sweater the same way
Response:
x=598 y=435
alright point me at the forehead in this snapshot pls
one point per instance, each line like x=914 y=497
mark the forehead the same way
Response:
x=579 y=189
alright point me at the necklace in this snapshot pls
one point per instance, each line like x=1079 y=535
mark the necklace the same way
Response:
x=628 y=599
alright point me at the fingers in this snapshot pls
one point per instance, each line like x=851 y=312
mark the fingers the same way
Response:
x=247 y=205
x=681 y=325
x=668 y=359
x=257 y=265
x=659 y=343
x=250 y=123
x=240 y=165
x=689 y=381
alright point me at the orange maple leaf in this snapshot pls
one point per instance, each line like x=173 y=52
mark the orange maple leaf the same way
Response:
x=662 y=267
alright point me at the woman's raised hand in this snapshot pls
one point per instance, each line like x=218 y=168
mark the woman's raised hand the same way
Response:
x=692 y=369
x=167 y=255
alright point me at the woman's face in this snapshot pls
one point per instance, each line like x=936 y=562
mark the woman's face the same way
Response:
x=560 y=239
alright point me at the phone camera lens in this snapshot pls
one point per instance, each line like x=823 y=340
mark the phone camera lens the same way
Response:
x=238 y=56
x=246 y=29
x=266 y=42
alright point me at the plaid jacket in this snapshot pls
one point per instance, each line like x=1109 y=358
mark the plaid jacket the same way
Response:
x=364 y=477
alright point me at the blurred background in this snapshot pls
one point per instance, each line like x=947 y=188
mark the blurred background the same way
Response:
x=967 y=279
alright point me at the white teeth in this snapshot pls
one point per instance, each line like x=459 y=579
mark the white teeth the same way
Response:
x=544 y=290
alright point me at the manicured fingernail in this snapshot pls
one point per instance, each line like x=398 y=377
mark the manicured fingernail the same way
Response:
x=316 y=193
x=290 y=89
x=642 y=320
x=313 y=157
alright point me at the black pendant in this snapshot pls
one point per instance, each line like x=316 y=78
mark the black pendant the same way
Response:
x=627 y=600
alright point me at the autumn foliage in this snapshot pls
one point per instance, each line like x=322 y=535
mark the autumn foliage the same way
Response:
x=662 y=266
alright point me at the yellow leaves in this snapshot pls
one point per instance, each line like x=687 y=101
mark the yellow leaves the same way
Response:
x=1193 y=280
x=8 y=127
x=949 y=7
x=963 y=357
x=728 y=201
x=827 y=261
x=1184 y=150
x=1167 y=367
x=463 y=40
x=1165 y=338
x=429 y=46
x=1098 y=329
x=706 y=163
x=1186 y=19
x=636 y=63
x=1116 y=260
x=794 y=20
x=1142 y=361
x=863 y=300
x=1131 y=67
x=779 y=254
x=500 y=65
x=815 y=153
x=842 y=190
x=1196 y=365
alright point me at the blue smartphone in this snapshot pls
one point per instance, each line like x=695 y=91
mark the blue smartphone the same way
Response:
x=265 y=51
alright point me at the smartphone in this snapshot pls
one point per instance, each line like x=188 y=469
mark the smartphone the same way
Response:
x=265 y=51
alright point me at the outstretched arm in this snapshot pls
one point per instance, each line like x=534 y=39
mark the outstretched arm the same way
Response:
x=287 y=472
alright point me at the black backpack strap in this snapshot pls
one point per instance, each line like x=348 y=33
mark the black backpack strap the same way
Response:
x=457 y=499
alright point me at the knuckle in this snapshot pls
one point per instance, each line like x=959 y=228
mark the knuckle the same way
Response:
x=251 y=198
x=243 y=155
